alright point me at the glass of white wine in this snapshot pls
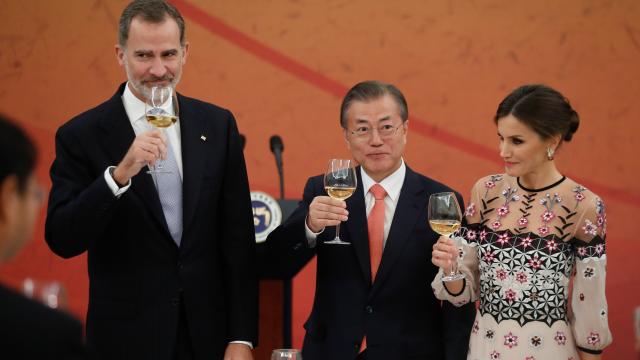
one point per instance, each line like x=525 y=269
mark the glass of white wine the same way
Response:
x=161 y=111
x=340 y=182
x=286 y=354
x=445 y=219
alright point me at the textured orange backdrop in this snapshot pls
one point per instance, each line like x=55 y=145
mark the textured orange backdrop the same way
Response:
x=282 y=67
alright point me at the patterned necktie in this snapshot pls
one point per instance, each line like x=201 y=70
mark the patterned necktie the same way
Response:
x=169 y=185
x=375 y=225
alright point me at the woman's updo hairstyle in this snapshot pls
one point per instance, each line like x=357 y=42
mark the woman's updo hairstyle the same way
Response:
x=543 y=109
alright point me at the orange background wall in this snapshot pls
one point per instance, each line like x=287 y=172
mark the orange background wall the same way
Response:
x=282 y=67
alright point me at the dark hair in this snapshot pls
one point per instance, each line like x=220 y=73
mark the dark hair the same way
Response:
x=543 y=109
x=153 y=11
x=372 y=90
x=17 y=153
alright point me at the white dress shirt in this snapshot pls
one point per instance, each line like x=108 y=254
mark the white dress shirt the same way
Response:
x=392 y=184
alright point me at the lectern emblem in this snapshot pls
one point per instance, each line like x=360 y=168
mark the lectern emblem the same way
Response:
x=267 y=214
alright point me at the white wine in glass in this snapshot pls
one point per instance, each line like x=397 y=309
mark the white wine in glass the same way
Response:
x=340 y=182
x=445 y=219
x=161 y=111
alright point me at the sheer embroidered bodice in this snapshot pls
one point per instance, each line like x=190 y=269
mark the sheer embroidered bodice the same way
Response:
x=519 y=250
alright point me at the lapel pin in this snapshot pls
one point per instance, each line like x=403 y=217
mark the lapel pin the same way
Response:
x=204 y=138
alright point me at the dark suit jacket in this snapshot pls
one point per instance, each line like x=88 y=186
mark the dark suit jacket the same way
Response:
x=30 y=330
x=398 y=313
x=138 y=276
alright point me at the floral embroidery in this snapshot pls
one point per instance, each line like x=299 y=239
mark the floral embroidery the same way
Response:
x=560 y=338
x=589 y=272
x=501 y=274
x=526 y=242
x=547 y=216
x=582 y=251
x=510 y=295
x=489 y=256
x=579 y=196
x=496 y=225
x=510 y=340
x=503 y=238
x=600 y=249
x=535 y=262
x=581 y=297
x=543 y=230
x=589 y=228
x=521 y=277
x=489 y=334
x=593 y=338
x=535 y=341
x=475 y=328
x=483 y=235
x=552 y=245
x=503 y=210
x=472 y=235
x=523 y=221
x=494 y=355
x=490 y=184
x=470 y=210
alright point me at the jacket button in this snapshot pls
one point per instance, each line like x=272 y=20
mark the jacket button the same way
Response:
x=369 y=309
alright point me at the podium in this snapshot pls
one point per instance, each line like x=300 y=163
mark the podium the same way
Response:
x=275 y=291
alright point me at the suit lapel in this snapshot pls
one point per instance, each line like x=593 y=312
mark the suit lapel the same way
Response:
x=404 y=219
x=192 y=128
x=357 y=228
x=118 y=138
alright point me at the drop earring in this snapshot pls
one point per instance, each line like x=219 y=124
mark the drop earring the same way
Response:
x=550 y=153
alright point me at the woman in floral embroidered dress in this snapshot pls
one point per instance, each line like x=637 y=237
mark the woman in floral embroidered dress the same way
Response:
x=529 y=231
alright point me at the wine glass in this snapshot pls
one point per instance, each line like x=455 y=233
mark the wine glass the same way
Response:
x=52 y=294
x=161 y=111
x=286 y=354
x=340 y=182
x=445 y=218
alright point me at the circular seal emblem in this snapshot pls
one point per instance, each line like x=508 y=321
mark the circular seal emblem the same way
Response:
x=267 y=214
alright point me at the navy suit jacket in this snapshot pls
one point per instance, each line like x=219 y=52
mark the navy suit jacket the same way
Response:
x=31 y=331
x=398 y=312
x=138 y=277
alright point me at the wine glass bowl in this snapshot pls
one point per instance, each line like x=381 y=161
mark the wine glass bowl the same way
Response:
x=445 y=219
x=161 y=111
x=340 y=182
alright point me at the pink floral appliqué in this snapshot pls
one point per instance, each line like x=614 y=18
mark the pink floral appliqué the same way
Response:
x=544 y=230
x=494 y=355
x=526 y=242
x=593 y=338
x=552 y=245
x=470 y=210
x=510 y=340
x=523 y=221
x=522 y=277
x=501 y=274
x=535 y=262
x=560 y=338
x=503 y=238
x=582 y=251
x=496 y=225
x=547 y=216
x=589 y=227
x=510 y=295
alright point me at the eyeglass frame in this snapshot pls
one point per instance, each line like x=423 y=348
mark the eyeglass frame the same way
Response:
x=369 y=133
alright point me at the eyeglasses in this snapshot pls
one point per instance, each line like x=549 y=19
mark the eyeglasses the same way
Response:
x=384 y=131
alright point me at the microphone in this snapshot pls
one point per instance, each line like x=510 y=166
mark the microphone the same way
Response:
x=275 y=142
x=243 y=141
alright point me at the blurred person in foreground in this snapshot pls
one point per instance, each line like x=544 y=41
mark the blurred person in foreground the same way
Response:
x=530 y=232
x=28 y=329
x=373 y=299
x=170 y=256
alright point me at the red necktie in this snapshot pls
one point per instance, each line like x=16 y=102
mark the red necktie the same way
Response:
x=375 y=224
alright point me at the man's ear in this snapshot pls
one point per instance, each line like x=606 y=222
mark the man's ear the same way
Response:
x=120 y=54
x=8 y=192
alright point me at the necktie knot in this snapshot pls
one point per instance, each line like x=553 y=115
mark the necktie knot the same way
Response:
x=378 y=192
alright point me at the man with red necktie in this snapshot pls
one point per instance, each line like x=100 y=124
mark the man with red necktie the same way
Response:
x=373 y=300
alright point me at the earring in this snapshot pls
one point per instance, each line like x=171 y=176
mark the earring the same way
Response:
x=550 y=153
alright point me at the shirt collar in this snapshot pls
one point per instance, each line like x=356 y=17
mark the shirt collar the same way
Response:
x=392 y=184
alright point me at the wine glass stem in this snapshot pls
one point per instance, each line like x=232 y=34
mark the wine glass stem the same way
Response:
x=337 y=232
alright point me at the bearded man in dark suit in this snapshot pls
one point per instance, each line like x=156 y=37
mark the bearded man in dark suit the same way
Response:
x=170 y=255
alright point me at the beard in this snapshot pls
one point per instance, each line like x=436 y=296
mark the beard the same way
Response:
x=141 y=85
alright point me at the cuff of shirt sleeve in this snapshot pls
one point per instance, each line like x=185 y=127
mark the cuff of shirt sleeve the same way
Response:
x=589 y=351
x=311 y=236
x=113 y=185
x=464 y=284
x=248 y=343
